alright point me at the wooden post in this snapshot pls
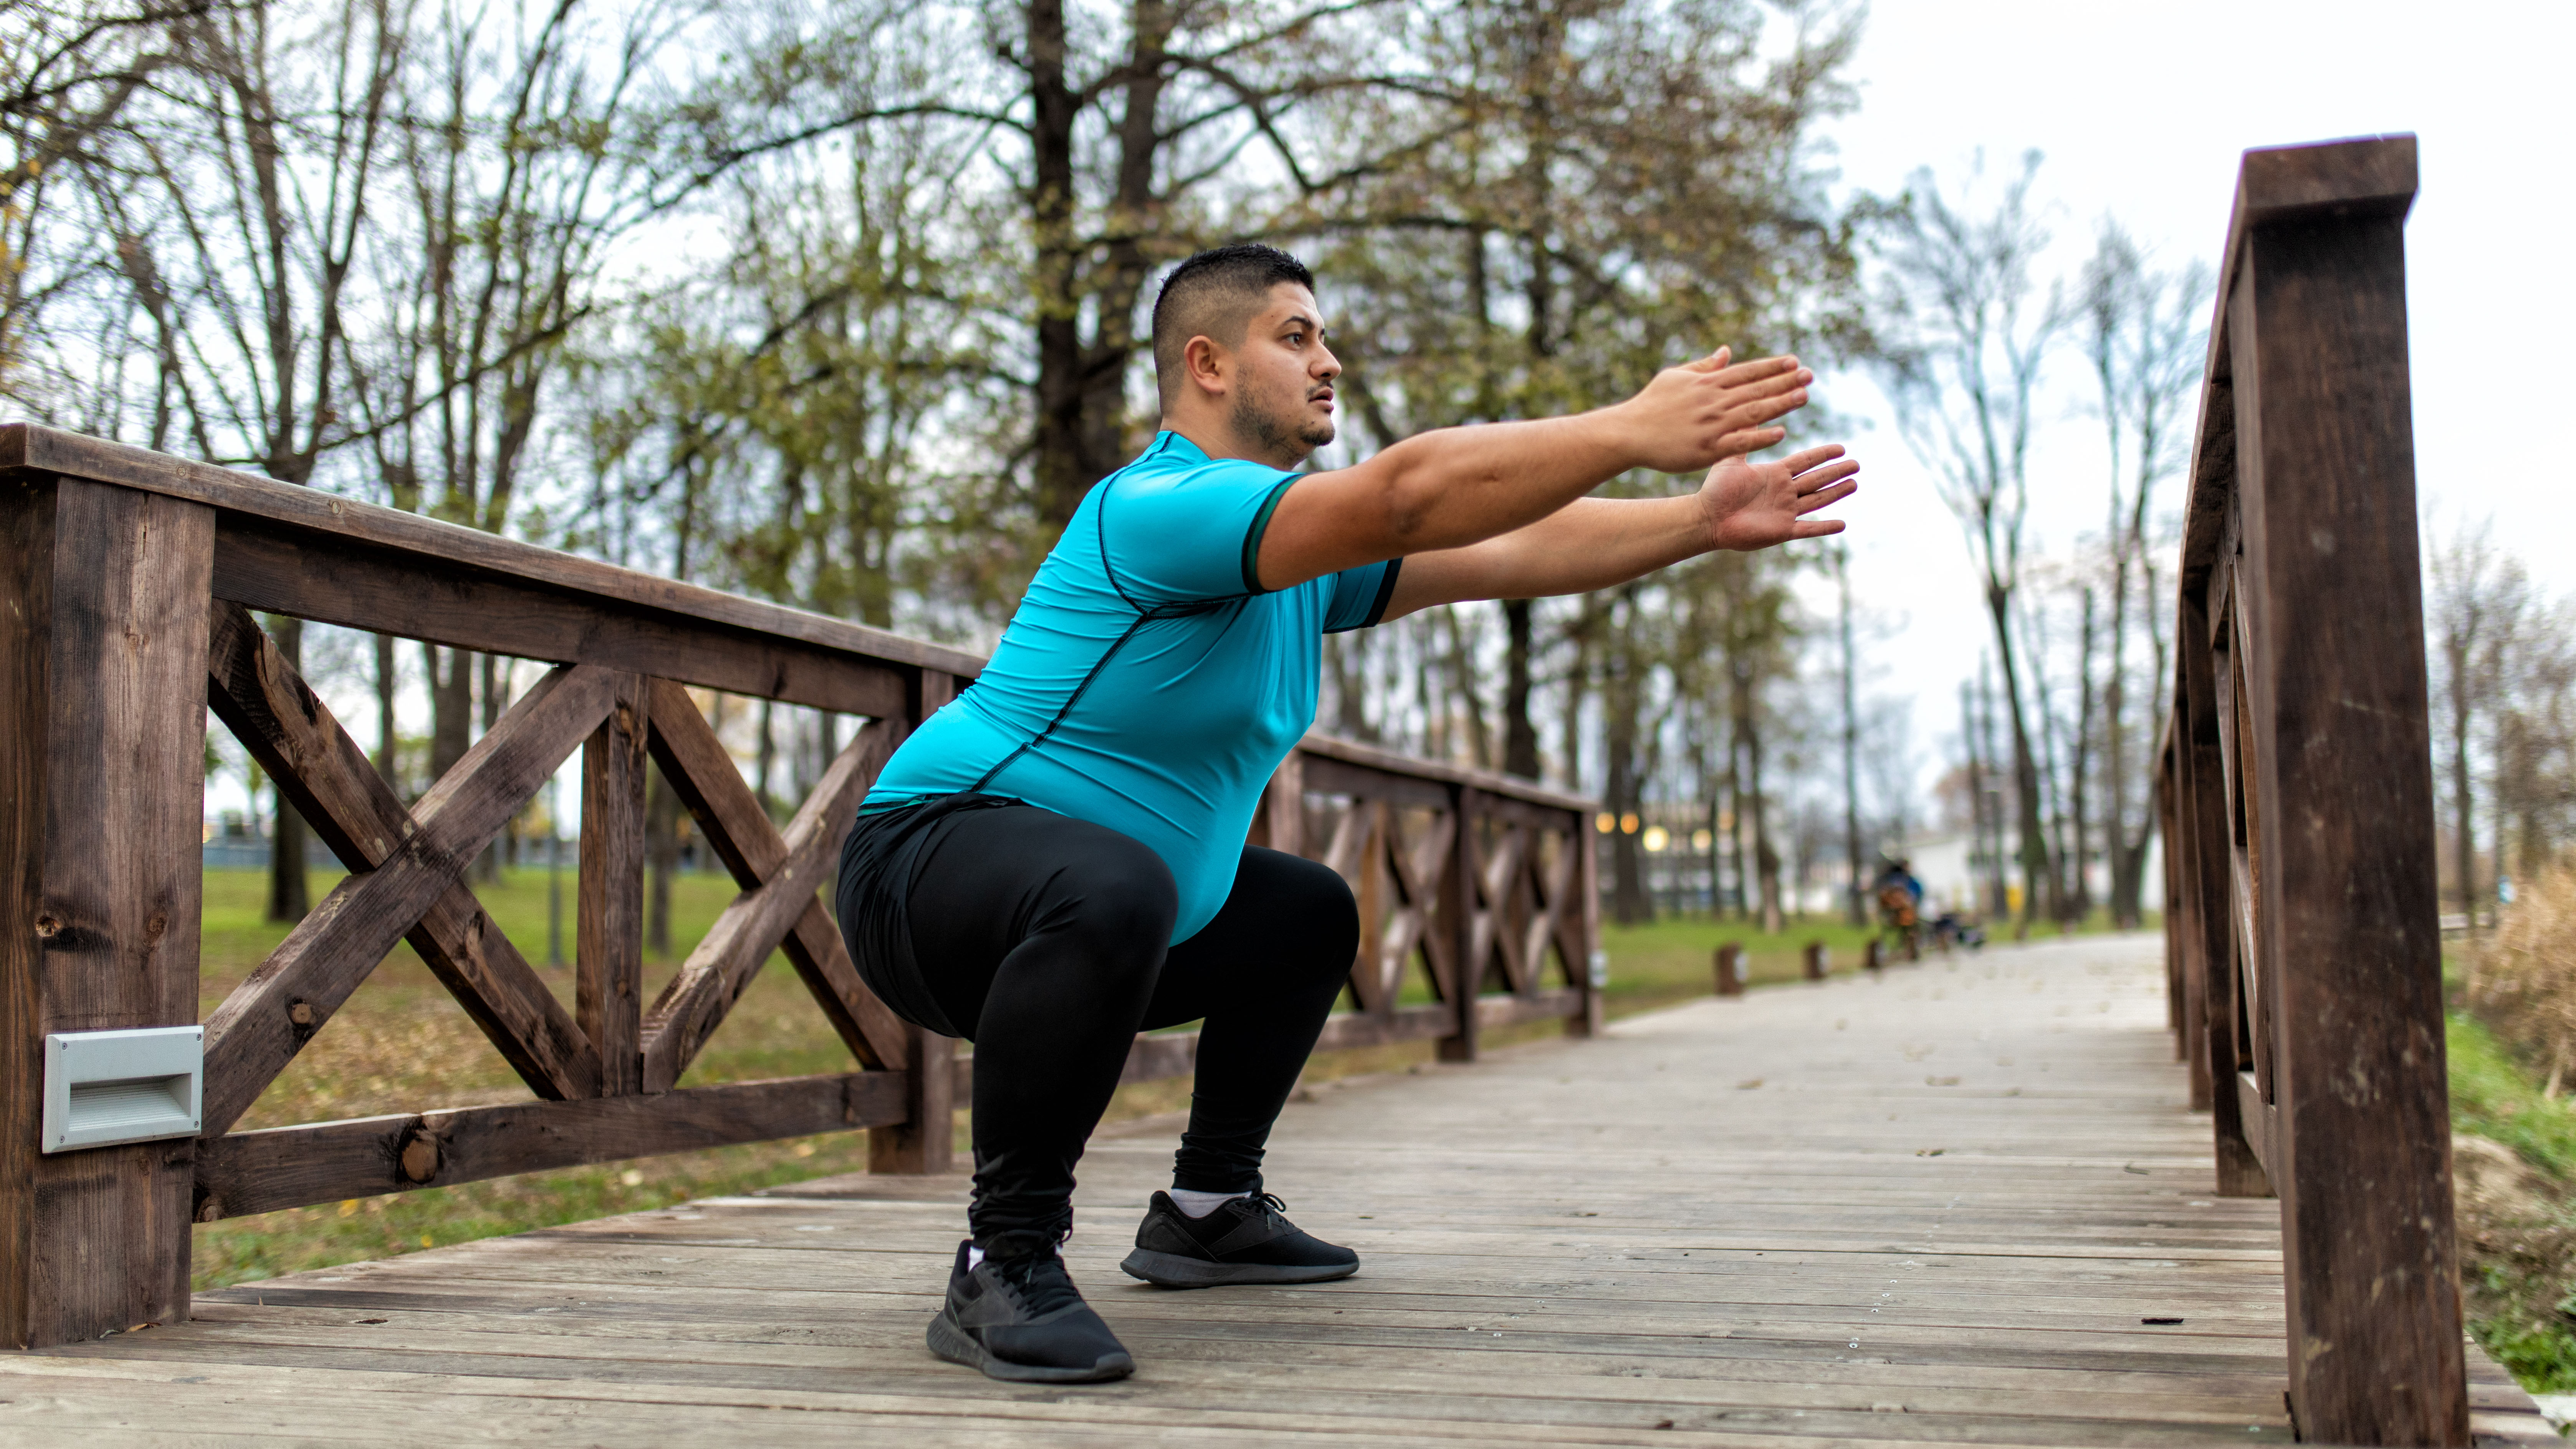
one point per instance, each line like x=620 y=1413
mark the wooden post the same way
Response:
x=1282 y=825
x=1873 y=955
x=1818 y=960
x=2208 y=931
x=1586 y=842
x=103 y=606
x=1458 y=917
x=925 y=1142
x=1729 y=966
x=608 y=951
x=2336 y=762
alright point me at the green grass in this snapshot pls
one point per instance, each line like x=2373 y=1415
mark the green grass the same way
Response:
x=2520 y=1275
x=2493 y=1096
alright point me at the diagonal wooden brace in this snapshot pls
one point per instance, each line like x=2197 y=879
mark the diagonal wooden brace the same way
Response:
x=322 y=771
x=779 y=876
x=259 y=1028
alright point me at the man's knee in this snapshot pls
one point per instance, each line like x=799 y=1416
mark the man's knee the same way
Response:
x=1119 y=896
x=1312 y=900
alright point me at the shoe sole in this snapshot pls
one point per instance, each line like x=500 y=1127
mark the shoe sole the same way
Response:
x=1171 y=1270
x=958 y=1346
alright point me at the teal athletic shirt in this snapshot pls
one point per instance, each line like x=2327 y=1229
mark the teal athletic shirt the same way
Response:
x=1148 y=682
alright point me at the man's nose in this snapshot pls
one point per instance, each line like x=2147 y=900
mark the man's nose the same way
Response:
x=1325 y=366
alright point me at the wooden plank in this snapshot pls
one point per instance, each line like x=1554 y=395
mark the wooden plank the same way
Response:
x=2254 y=1118
x=609 y=952
x=256 y=1032
x=699 y=768
x=290 y=571
x=1603 y=1240
x=2202 y=846
x=334 y=525
x=102 y=647
x=1331 y=775
x=751 y=926
x=1370 y=758
x=2329 y=591
x=1562 y=1003
x=332 y=784
x=282 y=1167
x=1348 y=1029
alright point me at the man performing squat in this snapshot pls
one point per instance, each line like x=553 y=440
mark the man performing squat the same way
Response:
x=1055 y=861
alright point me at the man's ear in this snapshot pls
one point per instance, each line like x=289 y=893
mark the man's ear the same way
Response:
x=1204 y=366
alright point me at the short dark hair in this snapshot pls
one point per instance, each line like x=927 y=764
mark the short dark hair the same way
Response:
x=1215 y=294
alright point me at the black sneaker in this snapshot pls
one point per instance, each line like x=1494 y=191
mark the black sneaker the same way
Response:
x=1243 y=1241
x=1021 y=1319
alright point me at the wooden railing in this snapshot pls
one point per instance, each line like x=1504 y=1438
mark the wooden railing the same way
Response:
x=2298 y=794
x=127 y=581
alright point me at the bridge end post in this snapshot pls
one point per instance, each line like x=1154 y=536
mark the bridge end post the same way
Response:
x=2322 y=692
x=1460 y=899
x=103 y=625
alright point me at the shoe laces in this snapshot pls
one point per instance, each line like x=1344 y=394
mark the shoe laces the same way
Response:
x=1040 y=1281
x=1266 y=1203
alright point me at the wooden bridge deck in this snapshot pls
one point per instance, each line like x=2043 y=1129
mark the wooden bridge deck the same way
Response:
x=1960 y=1204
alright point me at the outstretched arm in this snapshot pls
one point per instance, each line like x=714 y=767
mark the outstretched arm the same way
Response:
x=1594 y=543
x=1459 y=486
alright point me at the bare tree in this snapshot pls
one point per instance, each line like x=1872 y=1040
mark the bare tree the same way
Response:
x=2146 y=334
x=240 y=238
x=2478 y=599
x=1855 y=884
x=1965 y=332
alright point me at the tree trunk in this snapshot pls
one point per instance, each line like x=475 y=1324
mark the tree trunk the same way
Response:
x=768 y=757
x=2463 y=835
x=2079 y=901
x=1766 y=859
x=1081 y=389
x=505 y=845
x=289 y=896
x=388 y=741
x=1621 y=701
x=2034 y=834
x=1856 y=908
x=662 y=861
x=1462 y=680
x=451 y=707
x=1520 y=737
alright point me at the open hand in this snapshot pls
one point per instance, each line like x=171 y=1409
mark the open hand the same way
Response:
x=1701 y=412
x=1755 y=505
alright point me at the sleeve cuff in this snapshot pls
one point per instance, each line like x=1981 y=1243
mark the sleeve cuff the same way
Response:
x=1252 y=537
x=1385 y=592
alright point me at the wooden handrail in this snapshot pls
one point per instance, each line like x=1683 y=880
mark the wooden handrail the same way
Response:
x=127 y=585
x=2296 y=792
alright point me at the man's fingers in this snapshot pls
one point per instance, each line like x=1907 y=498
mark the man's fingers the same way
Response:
x=1761 y=410
x=1801 y=461
x=1740 y=441
x=1816 y=527
x=1816 y=479
x=1754 y=371
x=1714 y=362
x=1828 y=497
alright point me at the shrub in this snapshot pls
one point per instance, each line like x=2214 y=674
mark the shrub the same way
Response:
x=2525 y=986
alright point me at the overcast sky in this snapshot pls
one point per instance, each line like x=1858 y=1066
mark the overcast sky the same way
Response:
x=2142 y=110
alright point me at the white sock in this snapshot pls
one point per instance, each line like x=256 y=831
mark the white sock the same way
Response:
x=974 y=1258
x=1199 y=1204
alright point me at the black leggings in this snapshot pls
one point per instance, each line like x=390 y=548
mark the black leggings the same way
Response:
x=1042 y=937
